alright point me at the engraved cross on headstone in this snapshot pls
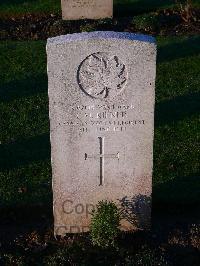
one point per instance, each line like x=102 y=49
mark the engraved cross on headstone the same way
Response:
x=102 y=157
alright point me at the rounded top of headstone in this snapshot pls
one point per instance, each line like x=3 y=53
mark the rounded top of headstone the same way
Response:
x=101 y=35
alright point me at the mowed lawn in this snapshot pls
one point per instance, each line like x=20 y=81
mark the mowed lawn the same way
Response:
x=121 y=7
x=25 y=177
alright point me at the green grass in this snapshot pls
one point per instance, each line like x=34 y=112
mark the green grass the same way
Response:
x=24 y=133
x=31 y=6
x=121 y=7
x=176 y=151
x=25 y=177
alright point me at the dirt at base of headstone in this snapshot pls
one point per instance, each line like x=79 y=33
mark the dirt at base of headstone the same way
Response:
x=176 y=237
x=42 y=26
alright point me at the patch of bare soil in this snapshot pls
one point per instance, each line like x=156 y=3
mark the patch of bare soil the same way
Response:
x=41 y=27
x=27 y=233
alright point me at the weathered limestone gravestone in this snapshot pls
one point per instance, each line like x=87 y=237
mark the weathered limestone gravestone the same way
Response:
x=101 y=98
x=86 y=9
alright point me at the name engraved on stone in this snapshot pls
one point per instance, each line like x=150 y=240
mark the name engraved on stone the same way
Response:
x=102 y=157
x=102 y=76
x=81 y=3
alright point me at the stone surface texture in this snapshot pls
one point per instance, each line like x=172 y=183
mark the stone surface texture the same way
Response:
x=86 y=9
x=101 y=99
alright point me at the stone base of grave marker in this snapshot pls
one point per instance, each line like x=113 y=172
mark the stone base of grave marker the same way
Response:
x=101 y=99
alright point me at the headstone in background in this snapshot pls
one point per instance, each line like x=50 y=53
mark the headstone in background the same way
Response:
x=101 y=98
x=86 y=9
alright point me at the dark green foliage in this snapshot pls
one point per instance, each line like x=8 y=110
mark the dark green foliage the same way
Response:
x=61 y=257
x=121 y=7
x=105 y=224
x=147 y=257
x=186 y=11
x=8 y=7
x=146 y=22
x=87 y=27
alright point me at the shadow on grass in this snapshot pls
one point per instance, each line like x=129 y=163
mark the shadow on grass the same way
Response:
x=133 y=7
x=177 y=196
x=25 y=151
x=176 y=109
x=181 y=49
x=176 y=209
x=19 y=220
x=17 y=2
x=23 y=88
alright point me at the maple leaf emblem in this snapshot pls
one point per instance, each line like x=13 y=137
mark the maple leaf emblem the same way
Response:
x=101 y=76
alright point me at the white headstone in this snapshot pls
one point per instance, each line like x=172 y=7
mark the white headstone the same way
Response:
x=86 y=9
x=101 y=99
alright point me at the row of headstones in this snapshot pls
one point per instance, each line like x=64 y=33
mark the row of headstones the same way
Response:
x=101 y=101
